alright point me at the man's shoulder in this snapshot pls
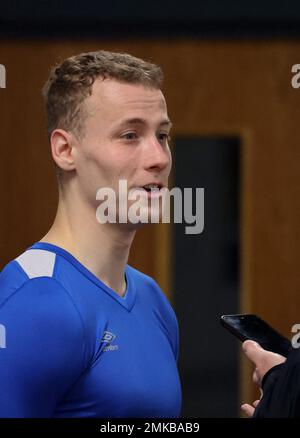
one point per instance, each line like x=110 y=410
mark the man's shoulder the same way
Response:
x=31 y=295
x=146 y=282
x=33 y=272
x=30 y=264
x=141 y=276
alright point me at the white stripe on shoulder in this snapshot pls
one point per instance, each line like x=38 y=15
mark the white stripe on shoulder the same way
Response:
x=37 y=262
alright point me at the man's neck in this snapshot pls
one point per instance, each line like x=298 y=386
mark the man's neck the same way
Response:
x=102 y=248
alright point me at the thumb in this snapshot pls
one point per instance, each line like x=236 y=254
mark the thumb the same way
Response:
x=253 y=350
x=262 y=359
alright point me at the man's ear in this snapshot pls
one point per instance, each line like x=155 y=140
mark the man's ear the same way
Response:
x=62 y=148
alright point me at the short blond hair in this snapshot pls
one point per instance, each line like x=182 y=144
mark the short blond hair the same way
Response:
x=71 y=81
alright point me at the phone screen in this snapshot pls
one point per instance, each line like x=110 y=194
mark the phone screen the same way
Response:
x=252 y=327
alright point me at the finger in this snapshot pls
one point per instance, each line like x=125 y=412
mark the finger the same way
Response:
x=256 y=378
x=255 y=353
x=255 y=403
x=248 y=410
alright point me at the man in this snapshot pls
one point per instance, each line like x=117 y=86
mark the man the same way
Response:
x=86 y=334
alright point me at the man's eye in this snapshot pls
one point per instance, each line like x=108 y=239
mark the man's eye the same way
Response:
x=130 y=136
x=163 y=136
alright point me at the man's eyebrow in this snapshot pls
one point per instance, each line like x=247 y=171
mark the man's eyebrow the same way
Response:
x=140 y=121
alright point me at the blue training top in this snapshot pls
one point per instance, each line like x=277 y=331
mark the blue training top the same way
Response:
x=75 y=348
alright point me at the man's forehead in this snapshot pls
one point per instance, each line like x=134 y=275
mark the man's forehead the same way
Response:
x=110 y=94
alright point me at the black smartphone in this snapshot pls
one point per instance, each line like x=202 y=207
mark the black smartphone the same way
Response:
x=248 y=326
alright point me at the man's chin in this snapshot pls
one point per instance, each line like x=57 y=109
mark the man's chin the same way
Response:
x=145 y=217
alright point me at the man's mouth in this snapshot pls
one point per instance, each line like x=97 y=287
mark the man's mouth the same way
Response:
x=152 y=187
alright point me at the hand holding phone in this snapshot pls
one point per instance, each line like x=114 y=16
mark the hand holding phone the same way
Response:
x=248 y=326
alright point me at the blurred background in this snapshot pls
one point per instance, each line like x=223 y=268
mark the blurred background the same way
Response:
x=236 y=119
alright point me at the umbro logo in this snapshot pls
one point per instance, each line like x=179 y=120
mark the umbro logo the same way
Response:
x=108 y=338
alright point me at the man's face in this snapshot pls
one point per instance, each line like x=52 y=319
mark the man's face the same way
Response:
x=125 y=138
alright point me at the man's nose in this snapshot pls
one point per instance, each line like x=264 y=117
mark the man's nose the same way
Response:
x=158 y=155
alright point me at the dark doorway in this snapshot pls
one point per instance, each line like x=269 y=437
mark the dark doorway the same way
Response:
x=206 y=277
